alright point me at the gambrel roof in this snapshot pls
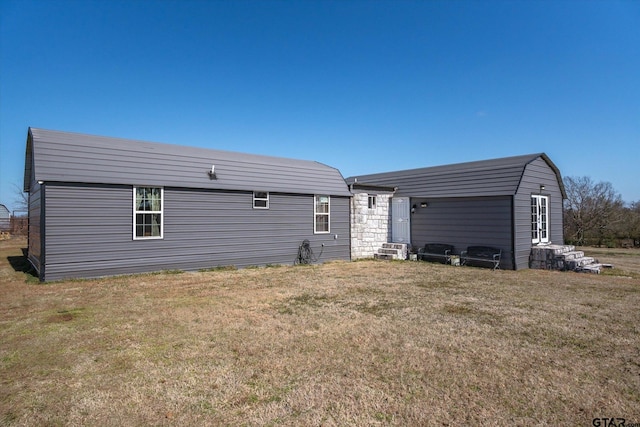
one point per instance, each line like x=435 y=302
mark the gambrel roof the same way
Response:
x=495 y=177
x=55 y=156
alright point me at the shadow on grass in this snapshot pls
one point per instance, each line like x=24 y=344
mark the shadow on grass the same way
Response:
x=22 y=265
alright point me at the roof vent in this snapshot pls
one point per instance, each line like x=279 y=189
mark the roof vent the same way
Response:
x=212 y=172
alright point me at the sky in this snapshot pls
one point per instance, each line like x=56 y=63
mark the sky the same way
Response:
x=363 y=86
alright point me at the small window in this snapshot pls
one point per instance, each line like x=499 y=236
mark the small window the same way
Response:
x=260 y=200
x=372 y=202
x=147 y=212
x=321 y=215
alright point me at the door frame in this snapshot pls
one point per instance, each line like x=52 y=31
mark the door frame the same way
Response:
x=539 y=219
x=401 y=220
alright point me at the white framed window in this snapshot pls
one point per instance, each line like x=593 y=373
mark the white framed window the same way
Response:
x=147 y=212
x=371 y=202
x=321 y=214
x=260 y=200
x=539 y=219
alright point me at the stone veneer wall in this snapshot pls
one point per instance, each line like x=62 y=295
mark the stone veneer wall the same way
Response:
x=369 y=227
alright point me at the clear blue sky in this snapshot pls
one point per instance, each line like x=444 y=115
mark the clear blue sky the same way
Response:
x=364 y=86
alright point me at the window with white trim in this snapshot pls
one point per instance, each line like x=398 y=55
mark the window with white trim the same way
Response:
x=147 y=212
x=321 y=211
x=260 y=200
x=539 y=219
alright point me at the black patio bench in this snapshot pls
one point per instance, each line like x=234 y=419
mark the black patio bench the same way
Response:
x=436 y=252
x=481 y=256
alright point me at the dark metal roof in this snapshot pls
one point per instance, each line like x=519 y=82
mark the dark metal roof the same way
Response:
x=371 y=187
x=78 y=158
x=494 y=177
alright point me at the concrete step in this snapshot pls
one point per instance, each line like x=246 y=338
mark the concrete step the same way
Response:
x=389 y=251
x=572 y=255
x=553 y=250
x=392 y=251
x=563 y=257
x=590 y=268
x=556 y=263
x=394 y=245
x=400 y=248
x=574 y=264
x=395 y=252
x=551 y=257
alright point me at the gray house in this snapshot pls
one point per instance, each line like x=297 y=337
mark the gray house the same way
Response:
x=510 y=203
x=5 y=218
x=102 y=206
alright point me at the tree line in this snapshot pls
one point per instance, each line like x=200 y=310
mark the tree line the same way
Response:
x=594 y=214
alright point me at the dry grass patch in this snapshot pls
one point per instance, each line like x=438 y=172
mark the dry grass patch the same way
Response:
x=363 y=343
x=625 y=261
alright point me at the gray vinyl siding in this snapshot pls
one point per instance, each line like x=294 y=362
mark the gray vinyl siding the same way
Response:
x=34 y=228
x=537 y=173
x=463 y=222
x=471 y=215
x=90 y=231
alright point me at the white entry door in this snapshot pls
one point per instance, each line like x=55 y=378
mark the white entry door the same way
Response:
x=400 y=220
x=539 y=219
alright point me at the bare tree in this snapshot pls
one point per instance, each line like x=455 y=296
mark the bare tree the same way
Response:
x=633 y=223
x=21 y=200
x=591 y=211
